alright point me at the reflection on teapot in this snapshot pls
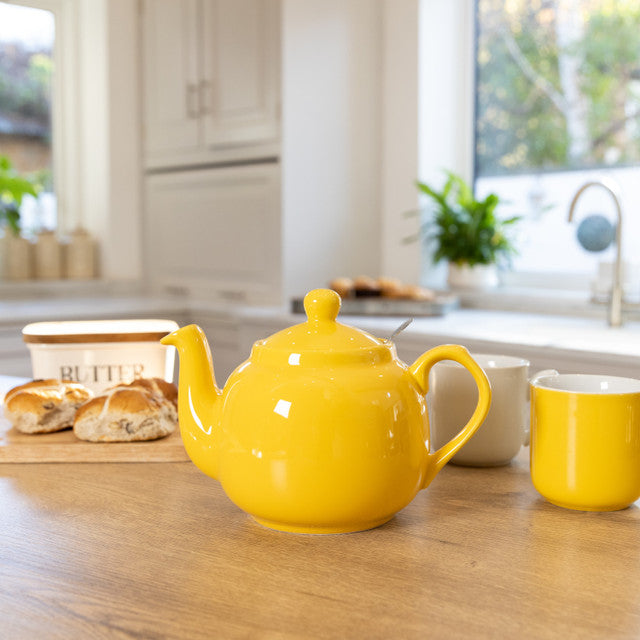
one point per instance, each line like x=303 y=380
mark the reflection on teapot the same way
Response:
x=323 y=429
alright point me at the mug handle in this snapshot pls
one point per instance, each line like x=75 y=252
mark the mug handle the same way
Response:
x=420 y=372
x=532 y=380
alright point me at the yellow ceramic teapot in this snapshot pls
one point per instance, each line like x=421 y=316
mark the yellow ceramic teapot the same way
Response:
x=323 y=429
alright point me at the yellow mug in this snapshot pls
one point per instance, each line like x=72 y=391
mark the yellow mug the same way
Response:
x=585 y=440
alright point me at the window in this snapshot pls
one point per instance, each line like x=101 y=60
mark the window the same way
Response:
x=27 y=37
x=95 y=127
x=558 y=104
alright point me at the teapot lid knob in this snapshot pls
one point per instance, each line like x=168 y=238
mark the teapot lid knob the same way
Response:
x=322 y=304
x=320 y=336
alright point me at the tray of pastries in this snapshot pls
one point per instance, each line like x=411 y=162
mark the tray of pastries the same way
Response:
x=365 y=295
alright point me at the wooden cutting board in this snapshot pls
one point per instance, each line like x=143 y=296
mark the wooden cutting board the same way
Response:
x=63 y=446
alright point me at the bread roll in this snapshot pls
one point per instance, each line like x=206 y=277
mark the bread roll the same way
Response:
x=365 y=287
x=44 y=406
x=138 y=411
x=157 y=386
x=342 y=286
x=420 y=293
x=391 y=287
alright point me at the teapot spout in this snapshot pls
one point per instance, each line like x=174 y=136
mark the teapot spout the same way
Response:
x=199 y=398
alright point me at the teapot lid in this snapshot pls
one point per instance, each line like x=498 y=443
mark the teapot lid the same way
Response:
x=320 y=333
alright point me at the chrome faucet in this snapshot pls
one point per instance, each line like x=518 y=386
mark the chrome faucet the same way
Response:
x=615 y=307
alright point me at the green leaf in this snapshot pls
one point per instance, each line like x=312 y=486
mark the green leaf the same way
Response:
x=463 y=228
x=512 y=220
x=438 y=197
x=13 y=188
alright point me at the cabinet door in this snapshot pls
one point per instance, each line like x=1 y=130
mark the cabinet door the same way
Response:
x=215 y=233
x=170 y=77
x=241 y=93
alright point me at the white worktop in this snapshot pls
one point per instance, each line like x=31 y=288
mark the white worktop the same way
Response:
x=545 y=338
x=24 y=311
x=67 y=300
x=535 y=330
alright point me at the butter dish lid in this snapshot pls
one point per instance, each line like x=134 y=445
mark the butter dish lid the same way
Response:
x=90 y=331
x=320 y=332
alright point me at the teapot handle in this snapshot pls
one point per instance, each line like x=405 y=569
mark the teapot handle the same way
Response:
x=420 y=371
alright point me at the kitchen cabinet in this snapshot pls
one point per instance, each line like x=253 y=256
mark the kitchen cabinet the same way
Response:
x=14 y=354
x=223 y=334
x=215 y=233
x=225 y=115
x=211 y=81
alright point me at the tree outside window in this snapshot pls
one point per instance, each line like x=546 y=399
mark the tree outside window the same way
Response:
x=558 y=102
x=26 y=71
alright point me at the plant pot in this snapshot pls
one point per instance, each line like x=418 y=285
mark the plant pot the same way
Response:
x=479 y=276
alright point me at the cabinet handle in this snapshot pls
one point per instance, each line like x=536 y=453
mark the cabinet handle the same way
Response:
x=192 y=100
x=205 y=91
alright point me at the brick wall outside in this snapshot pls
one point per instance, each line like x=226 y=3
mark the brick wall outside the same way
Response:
x=27 y=154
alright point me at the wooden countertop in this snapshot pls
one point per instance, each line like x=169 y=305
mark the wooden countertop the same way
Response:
x=156 y=550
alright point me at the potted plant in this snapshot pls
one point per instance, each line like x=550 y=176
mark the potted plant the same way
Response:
x=467 y=233
x=13 y=188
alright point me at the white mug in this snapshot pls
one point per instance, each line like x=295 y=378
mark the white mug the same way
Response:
x=453 y=397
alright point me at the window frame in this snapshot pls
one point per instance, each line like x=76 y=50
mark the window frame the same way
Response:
x=447 y=76
x=529 y=279
x=96 y=125
x=64 y=109
x=446 y=85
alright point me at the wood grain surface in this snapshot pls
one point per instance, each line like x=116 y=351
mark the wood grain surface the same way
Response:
x=158 y=551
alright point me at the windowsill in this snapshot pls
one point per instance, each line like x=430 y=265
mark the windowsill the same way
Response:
x=511 y=299
x=547 y=302
x=55 y=289
x=525 y=300
x=551 y=329
x=39 y=300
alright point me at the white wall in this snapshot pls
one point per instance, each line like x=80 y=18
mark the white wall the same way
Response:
x=331 y=109
x=399 y=153
x=125 y=132
x=109 y=134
